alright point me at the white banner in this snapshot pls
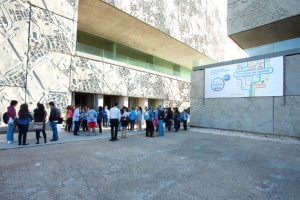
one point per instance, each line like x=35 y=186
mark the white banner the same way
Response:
x=249 y=79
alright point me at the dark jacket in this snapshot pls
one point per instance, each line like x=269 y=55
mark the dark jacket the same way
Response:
x=100 y=115
x=52 y=116
x=39 y=115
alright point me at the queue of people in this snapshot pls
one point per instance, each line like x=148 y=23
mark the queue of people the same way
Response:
x=89 y=119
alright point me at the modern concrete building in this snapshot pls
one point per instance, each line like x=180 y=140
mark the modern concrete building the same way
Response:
x=264 y=29
x=97 y=52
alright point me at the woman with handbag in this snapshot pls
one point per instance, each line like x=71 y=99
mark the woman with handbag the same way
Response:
x=124 y=121
x=39 y=122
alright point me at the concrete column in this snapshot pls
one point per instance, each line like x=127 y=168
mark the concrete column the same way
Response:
x=143 y=103
x=123 y=101
x=99 y=100
x=73 y=99
x=159 y=102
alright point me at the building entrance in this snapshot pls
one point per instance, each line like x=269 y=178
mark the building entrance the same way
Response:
x=84 y=99
x=110 y=100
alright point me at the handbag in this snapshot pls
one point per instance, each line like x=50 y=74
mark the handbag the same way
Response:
x=154 y=122
x=123 y=118
x=38 y=125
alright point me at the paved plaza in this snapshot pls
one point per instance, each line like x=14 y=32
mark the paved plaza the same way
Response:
x=194 y=164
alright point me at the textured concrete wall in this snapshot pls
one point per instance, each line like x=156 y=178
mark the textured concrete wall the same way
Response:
x=272 y=115
x=200 y=24
x=38 y=62
x=92 y=76
x=245 y=15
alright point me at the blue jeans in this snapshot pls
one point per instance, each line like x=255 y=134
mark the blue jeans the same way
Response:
x=169 y=124
x=10 y=132
x=132 y=124
x=53 y=126
x=105 y=121
x=160 y=127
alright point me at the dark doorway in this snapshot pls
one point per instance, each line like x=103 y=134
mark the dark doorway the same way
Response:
x=84 y=99
x=133 y=102
x=110 y=100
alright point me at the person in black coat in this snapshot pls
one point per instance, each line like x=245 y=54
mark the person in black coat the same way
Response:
x=40 y=116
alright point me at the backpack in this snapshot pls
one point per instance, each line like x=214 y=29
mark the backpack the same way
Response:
x=91 y=115
x=4 y=117
x=57 y=114
x=146 y=115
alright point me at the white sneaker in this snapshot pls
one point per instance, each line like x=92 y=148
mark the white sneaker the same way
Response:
x=8 y=142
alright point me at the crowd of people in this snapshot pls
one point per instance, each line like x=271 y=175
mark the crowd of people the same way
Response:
x=85 y=119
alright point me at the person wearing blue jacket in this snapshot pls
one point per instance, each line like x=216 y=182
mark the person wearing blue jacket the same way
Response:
x=23 y=123
x=99 y=118
x=150 y=127
x=132 y=116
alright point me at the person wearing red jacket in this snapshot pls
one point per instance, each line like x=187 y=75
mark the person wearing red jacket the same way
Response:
x=11 y=115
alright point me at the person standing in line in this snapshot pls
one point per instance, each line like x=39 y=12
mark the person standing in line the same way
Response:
x=150 y=127
x=70 y=117
x=10 y=117
x=99 y=118
x=84 y=119
x=156 y=118
x=132 y=116
x=23 y=123
x=124 y=120
x=114 y=118
x=176 y=119
x=76 y=117
x=160 y=116
x=184 y=119
x=40 y=116
x=169 y=118
x=139 y=118
x=53 y=121
x=136 y=117
x=92 y=120
x=105 y=116
x=145 y=113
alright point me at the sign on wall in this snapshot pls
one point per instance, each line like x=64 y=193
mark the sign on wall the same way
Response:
x=249 y=79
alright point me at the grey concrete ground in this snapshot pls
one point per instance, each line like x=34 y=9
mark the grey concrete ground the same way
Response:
x=183 y=165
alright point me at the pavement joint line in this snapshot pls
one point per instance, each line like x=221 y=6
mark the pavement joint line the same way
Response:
x=106 y=135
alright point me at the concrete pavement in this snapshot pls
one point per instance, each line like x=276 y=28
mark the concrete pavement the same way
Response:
x=183 y=165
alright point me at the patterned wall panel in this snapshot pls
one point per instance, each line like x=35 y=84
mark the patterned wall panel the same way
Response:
x=287 y=115
x=197 y=84
x=6 y=95
x=52 y=32
x=86 y=75
x=65 y=8
x=200 y=24
x=14 y=17
x=243 y=114
x=48 y=78
x=291 y=72
x=104 y=78
x=245 y=15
